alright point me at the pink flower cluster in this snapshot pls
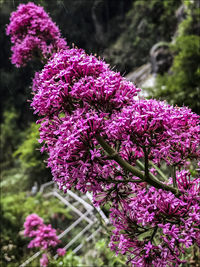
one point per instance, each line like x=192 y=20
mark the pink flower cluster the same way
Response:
x=32 y=224
x=167 y=225
x=61 y=251
x=162 y=131
x=76 y=93
x=44 y=235
x=44 y=260
x=74 y=113
x=100 y=139
x=74 y=156
x=135 y=128
x=73 y=79
x=33 y=33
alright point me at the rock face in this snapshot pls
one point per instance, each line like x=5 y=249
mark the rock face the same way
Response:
x=161 y=58
x=139 y=75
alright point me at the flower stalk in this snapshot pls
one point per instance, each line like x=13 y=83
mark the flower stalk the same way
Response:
x=125 y=165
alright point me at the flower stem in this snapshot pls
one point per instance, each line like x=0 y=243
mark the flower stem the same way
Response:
x=141 y=166
x=164 y=178
x=128 y=167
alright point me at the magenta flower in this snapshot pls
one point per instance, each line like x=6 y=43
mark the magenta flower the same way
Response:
x=31 y=225
x=160 y=215
x=167 y=133
x=44 y=260
x=72 y=78
x=61 y=251
x=44 y=235
x=45 y=238
x=33 y=33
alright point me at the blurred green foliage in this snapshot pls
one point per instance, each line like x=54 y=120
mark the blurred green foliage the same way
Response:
x=100 y=255
x=10 y=137
x=181 y=85
x=27 y=150
x=27 y=162
x=69 y=260
x=32 y=161
x=17 y=207
x=14 y=180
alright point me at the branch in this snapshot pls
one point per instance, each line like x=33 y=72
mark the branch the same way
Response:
x=126 y=166
x=174 y=177
x=146 y=164
x=141 y=166
x=119 y=181
x=159 y=171
x=154 y=232
x=114 y=155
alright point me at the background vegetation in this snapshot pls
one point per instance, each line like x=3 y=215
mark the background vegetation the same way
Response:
x=181 y=84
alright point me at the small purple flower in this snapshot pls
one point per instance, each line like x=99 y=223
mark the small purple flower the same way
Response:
x=46 y=237
x=44 y=260
x=31 y=225
x=61 y=251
